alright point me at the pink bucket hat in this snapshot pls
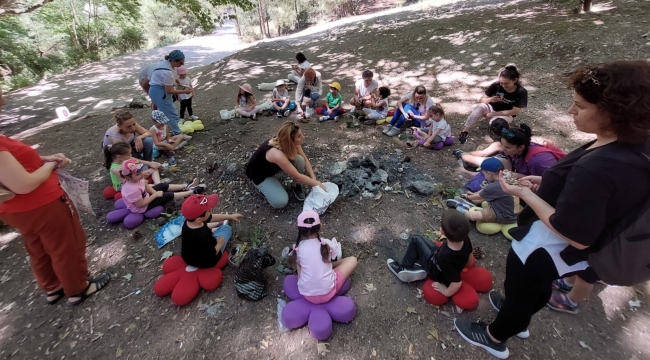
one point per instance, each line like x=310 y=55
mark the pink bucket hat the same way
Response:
x=181 y=70
x=247 y=88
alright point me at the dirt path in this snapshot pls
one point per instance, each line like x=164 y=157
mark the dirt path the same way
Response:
x=455 y=52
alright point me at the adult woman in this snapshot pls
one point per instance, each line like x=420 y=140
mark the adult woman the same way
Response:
x=161 y=87
x=475 y=158
x=127 y=130
x=504 y=98
x=577 y=202
x=412 y=106
x=364 y=89
x=47 y=221
x=299 y=70
x=282 y=152
x=144 y=75
x=517 y=147
x=308 y=90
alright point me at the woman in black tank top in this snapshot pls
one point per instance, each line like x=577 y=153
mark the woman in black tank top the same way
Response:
x=283 y=152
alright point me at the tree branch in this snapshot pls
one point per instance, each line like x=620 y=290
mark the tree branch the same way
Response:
x=5 y=11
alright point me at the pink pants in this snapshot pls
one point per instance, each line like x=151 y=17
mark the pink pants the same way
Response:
x=478 y=114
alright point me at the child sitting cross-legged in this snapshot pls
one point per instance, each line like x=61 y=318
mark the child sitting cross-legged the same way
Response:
x=162 y=139
x=204 y=235
x=333 y=102
x=280 y=99
x=501 y=206
x=378 y=107
x=443 y=264
x=432 y=131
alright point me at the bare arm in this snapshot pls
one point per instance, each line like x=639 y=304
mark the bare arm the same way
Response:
x=169 y=89
x=17 y=179
x=447 y=291
x=493 y=148
x=278 y=157
x=308 y=168
x=159 y=143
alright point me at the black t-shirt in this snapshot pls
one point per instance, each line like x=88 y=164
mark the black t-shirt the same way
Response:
x=447 y=264
x=591 y=194
x=517 y=98
x=258 y=168
x=198 y=246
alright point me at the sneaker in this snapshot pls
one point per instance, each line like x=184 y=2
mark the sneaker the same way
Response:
x=496 y=299
x=287 y=113
x=463 y=137
x=458 y=153
x=194 y=117
x=191 y=184
x=171 y=160
x=336 y=119
x=280 y=115
x=562 y=286
x=406 y=275
x=181 y=145
x=199 y=189
x=298 y=192
x=254 y=117
x=394 y=131
x=387 y=129
x=561 y=302
x=323 y=118
x=476 y=334
x=455 y=204
x=464 y=201
x=187 y=137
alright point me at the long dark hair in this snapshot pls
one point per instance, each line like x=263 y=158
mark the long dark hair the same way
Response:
x=496 y=127
x=115 y=150
x=518 y=136
x=310 y=233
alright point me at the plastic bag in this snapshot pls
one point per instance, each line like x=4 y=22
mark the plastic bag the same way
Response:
x=281 y=305
x=336 y=250
x=227 y=114
x=266 y=105
x=170 y=231
x=309 y=112
x=318 y=200
x=77 y=190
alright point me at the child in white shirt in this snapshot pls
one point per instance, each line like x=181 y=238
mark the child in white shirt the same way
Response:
x=184 y=82
x=438 y=128
x=378 y=108
x=280 y=99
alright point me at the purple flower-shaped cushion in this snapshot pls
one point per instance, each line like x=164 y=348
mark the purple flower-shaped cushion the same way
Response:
x=318 y=317
x=130 y=219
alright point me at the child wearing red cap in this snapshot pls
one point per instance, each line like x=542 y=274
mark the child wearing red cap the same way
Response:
x=319 y=279
x=204 y=236
x=139 y=196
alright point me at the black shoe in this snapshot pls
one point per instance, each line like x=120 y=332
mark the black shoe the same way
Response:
x=199 y=189
x=463 y=137
x=476 y=334
x=191 y=184
x=458 y=153
x=298 y=192
x=496 y=299
x=406 y=274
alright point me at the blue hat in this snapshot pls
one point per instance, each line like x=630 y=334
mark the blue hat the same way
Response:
x=159 y=117
x=176 y=55
x=491 y=164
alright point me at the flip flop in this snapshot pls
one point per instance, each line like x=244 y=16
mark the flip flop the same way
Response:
x=100 y=282
x=59 y=295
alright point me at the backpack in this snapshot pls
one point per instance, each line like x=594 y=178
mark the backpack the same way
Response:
x=545 y=147
x=250 y=281
x=624 y=259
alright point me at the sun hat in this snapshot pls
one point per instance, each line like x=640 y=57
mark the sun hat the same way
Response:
x=247 y=88
x=335 y=85
x=196 y=205
x=181 y=70
x=159 y=117
x=308 y=214
x=279 y=82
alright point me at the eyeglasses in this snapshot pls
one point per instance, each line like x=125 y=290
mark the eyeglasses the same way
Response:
x=507 y=133
x=590 y=75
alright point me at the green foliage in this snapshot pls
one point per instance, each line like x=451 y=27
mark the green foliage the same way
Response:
x=447 y=192
x=201 y=9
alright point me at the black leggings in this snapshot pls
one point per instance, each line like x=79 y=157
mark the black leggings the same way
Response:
x=528 y=287
x=161 y=201
x=186 y=104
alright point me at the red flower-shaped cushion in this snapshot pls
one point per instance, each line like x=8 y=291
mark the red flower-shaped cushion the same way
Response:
x=183 y=282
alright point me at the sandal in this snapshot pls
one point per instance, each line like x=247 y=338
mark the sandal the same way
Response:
x=59 y=295
x=100 y=282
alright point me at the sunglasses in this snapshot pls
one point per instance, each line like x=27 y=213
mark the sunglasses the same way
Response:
x=507 y=133
x=590 y=75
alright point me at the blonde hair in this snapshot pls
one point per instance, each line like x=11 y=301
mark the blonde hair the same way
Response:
x=419 y=90
x=284 y=139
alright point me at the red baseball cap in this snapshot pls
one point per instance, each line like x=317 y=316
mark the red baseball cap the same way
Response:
x=196 y=205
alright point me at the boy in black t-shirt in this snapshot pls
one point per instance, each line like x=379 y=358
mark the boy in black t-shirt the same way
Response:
x=204 y=235
x=444 y=263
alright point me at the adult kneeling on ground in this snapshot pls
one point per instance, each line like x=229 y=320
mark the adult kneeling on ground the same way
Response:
x=576 y=206
x=364 y=89
x=308 y=90
x=282 y=152
x=161 y=87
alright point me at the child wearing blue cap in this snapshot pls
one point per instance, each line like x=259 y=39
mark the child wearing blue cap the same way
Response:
x=501 y=206
x=161 y=135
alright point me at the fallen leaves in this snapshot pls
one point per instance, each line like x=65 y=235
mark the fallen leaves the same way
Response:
x=374 y=352
x=322 y=348
x=411 y=310
x=434 y=334
x=165 y=255
x=370 y=287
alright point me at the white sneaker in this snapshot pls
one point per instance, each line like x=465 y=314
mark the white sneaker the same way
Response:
x=394 y=131
x=336 y=118
x=194 y=117
x=287 y=113
x=387 y=129
x=323 y=118
x=254 y=117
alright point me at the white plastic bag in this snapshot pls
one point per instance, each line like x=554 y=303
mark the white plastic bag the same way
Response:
x=77 y=190
x=318 y=200
x=337 y=251
x=309 y=112
x=227 y=114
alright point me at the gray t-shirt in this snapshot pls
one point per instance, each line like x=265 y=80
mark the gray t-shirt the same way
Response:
x=503 y=204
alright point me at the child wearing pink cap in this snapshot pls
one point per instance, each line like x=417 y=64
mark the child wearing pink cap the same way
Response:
x=139 y=196
x=184 y=82
x=319 y=278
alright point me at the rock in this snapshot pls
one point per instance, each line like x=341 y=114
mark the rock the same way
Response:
x=160 y=221
x=350 y=190
x=421 y=187
x=367 y=195
x=388 y=188
x=139 y=102
x=355 y=174
x=370 y=162
x=407 y=159
x=354 y=162
x=371 y=187
x=380 y=176
x=232 y=167
x=338 y=168
x=338 y=180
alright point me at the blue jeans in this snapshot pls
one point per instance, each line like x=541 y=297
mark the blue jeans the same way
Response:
x=333 y=113
x=224 y=231
x=147 y=150
x=399 y=119
x=314 y=96
x=165 y=103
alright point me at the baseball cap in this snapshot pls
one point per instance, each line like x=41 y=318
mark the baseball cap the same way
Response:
x=279 y=82
x=131 y=166
x=308 y=214
x=196 y=205
x=491 y=164
x=336 y=85
x=159 y=117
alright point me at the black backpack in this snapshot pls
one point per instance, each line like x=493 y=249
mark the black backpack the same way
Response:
x=250 y=281
x=624 y=259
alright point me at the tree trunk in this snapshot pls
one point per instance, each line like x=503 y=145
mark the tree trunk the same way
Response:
x=268 y=31
x=88 y=32
x=237 y=24
x=295 y=2
x=74 y=23
x=261 y=18
x=586 y=5
x=279 y=33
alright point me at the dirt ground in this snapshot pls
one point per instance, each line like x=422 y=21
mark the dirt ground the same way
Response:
x=455 y=51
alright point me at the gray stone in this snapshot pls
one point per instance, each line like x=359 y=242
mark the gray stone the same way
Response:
x=380 y=176
x=160 y=221
x=367 y=195
x=232 y=167
x=338 y=180
x=338 y=168
x=356 y=174
x=369 y=161
x=371 y=187
x=421 y=187
x=350 y=190
x=354 y=162
x=139 y=102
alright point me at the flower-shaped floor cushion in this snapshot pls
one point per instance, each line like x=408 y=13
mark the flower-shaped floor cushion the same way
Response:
x=318 y=317
x=183 y=282
x=130 y=219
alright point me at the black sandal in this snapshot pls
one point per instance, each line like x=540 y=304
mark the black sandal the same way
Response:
x=59 y=295
x=100 y=282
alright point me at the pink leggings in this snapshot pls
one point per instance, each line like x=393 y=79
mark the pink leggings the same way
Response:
x=478 y=114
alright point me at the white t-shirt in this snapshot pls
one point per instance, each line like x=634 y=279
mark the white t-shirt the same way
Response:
x=316 y=276
x=278 y=95
x=160 y=133
x=445 y=129
x=184 y=84
x=363 y=90
x=145 y=72
x=382 y=107
x=423 y=107
x=162 y=77
x=304 y=65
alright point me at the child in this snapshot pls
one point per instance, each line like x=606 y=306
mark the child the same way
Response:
x=438 y=129
x=245 y=102
x=333 y=101
x=140 y=196
x=501 y=206
x=378 y=108
x=185 y=82
x=280 y=99
x=204 y=235
x=319 y=279
x=118 y=153
x=162 y=139
x=443 y=264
